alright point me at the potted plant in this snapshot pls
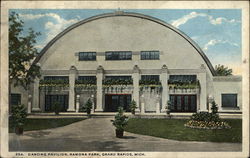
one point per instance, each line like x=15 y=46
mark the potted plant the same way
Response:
x=87 y=107
x=56 y=107
x=168 y=108
x=18 y=116
x=120 y=122
x=132 y=107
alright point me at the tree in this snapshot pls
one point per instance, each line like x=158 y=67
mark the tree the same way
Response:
x=21 y=53
x=221 y=70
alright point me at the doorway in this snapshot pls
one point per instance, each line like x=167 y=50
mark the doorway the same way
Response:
x=61 y=99
x=113 y=101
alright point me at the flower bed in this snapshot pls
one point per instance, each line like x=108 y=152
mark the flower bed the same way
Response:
x=207 y=125
x=205 y=120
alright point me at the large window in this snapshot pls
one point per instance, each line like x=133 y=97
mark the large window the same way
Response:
x=87 y=78
x=150 y=77
x=150 y=55
x=56 y=78
x=229 y=100
x=15 y=99
x=85 y=56
x=182 y=78
x=118 y=55
x=117 y=77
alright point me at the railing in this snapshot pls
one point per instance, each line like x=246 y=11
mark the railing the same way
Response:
x=54 y=85
x=183 y=87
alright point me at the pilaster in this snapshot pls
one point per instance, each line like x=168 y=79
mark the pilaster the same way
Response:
x=165 y=91
x=136 y=76
x=35 y=99
x=72 y=77
x=99 y=94
x=203 y=89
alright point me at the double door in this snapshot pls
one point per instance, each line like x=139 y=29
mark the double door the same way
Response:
x=183 y=103
x=62 y=100
x=112 y=102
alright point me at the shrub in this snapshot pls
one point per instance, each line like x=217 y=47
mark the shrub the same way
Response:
x=214 y=108
x=87 y=107
x=120 y=120
x=56 y=107
x=18 y=115
x=132 y=107
x=205 y=116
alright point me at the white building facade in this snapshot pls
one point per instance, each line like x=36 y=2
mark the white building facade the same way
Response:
x=118 y=57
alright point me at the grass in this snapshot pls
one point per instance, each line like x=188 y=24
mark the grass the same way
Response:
x=174 y=129
x=39 y=124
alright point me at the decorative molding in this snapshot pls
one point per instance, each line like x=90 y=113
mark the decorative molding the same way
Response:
x=136 y=69
x=100 y=69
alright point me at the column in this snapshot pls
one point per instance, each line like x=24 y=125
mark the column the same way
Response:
x=136 y=77
x=157 y=104
x=142 y=105
x=72 y=77
x=93 y=103
x=35 y=99
x=99 y=95
x=203 y=88
x=29 y=103
x=165 y=91
x=77 y=102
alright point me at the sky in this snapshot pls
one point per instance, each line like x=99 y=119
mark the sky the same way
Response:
x=216 y=31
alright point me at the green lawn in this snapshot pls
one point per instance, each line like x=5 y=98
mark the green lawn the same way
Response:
x=38 y=124
x=174 y=129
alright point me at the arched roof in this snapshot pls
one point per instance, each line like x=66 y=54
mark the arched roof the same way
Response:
x=136 y=15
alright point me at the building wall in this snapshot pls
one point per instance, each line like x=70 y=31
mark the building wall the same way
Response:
x=229 y=85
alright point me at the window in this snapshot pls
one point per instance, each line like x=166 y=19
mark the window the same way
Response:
x=118 y=77
x=56 y=78
x=150 y=55
x=86 y=78
x=150 y=77
x=229 y=100
x=118 y=55
x=15 y=99
x=85 y=56
x=182 y=78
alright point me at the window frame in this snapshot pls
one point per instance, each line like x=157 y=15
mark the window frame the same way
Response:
x=150 y=55
x=236 y=100
x=87 y=56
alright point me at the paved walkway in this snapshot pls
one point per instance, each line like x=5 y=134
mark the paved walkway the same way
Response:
x=97 y=134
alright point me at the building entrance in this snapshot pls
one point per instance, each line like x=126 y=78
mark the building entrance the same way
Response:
x=183 y=103
x=61 y=99
x=113 y=101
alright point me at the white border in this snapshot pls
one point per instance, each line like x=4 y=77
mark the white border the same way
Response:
x=244 y=5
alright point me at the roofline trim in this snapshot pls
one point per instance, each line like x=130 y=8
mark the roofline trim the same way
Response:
x=131 y=14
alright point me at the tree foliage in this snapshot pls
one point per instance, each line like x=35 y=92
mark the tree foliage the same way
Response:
x=21 y=52
x=222 y=70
